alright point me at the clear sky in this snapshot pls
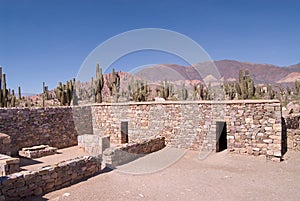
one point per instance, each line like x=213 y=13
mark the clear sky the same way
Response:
x=48 y=40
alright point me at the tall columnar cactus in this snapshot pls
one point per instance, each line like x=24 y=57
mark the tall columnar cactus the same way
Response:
x=45 y=91
x=7 y=96
x=4 y=91
x=113 y=84
x=99 y=84
x=0 y=78
x=297 y=87
x=12 y=99
x=245 y=87
x=184 y=92
x=271 y=92
x=19 y=92
x=64 y=92
x=138 y=91
x=198 y=91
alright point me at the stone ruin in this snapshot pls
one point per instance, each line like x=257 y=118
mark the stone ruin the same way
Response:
x=245 y=127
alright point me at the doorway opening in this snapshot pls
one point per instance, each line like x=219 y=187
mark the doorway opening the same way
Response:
x=124 y=132
x=221 y=136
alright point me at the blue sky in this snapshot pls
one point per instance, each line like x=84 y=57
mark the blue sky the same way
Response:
x=48 y=40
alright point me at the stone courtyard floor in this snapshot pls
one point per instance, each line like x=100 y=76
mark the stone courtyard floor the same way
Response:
x=221 y=176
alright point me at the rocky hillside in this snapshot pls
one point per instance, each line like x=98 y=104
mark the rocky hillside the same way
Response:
x=228 y=69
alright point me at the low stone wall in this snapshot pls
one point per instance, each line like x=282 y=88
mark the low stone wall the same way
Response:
x=5 y=144
x=34 y=126
x=253 y=126
x=37 y=151
x=8 y=165
x=293 y=139
x=124 y=153
x=29 y=183
x=93 y=144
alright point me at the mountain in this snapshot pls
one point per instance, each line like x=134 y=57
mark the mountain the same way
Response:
x=294 y=68
x=228 y=70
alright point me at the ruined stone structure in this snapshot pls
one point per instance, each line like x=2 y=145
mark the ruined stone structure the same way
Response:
x=121 y=154
x=252 y=126
x=248 y=126
x=37 y=151
x=54 y=126
x=8 y=165
x=27 y=183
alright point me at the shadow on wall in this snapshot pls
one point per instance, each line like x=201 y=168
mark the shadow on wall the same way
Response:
x=283 y=137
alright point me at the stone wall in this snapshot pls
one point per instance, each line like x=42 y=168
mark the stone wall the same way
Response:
x=5 y=144
x=8 y=165
x=292 y=121
x=29 y=183
x=253 y=126
x=124 y=153
x=293 y=139
x=34 y=126
x=82 y=116
x=93 y=144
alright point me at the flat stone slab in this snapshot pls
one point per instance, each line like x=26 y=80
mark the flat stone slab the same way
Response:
x=37 y=151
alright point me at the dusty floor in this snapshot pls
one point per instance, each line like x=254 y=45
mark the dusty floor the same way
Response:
x=221 y=176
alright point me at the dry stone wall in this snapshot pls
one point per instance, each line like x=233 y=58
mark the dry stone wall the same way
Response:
x=5 y=144
x=29 y=183
x=293 y=139
x=54 y=126
x=121 y=154
x=82 y=116
x=253 y=126
x=34 y=126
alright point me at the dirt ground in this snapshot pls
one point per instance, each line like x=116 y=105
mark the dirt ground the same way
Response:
x=221 y=176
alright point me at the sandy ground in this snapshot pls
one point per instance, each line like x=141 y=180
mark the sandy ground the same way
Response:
x=221 y=176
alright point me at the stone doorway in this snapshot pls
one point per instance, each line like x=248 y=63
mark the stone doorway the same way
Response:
x=221 y=136
x=124 y=132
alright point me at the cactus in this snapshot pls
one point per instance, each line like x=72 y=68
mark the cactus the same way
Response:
x=64 y=92
x=297 y=87
x=245 y=87
x=271 y=92
x=138 y=91
x=19 y=92
x=4 y=91
x=99 y=83
x=13 y=99
x=184 y=92
x=113 y=84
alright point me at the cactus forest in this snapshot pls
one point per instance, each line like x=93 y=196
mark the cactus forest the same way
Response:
x=123 y=87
